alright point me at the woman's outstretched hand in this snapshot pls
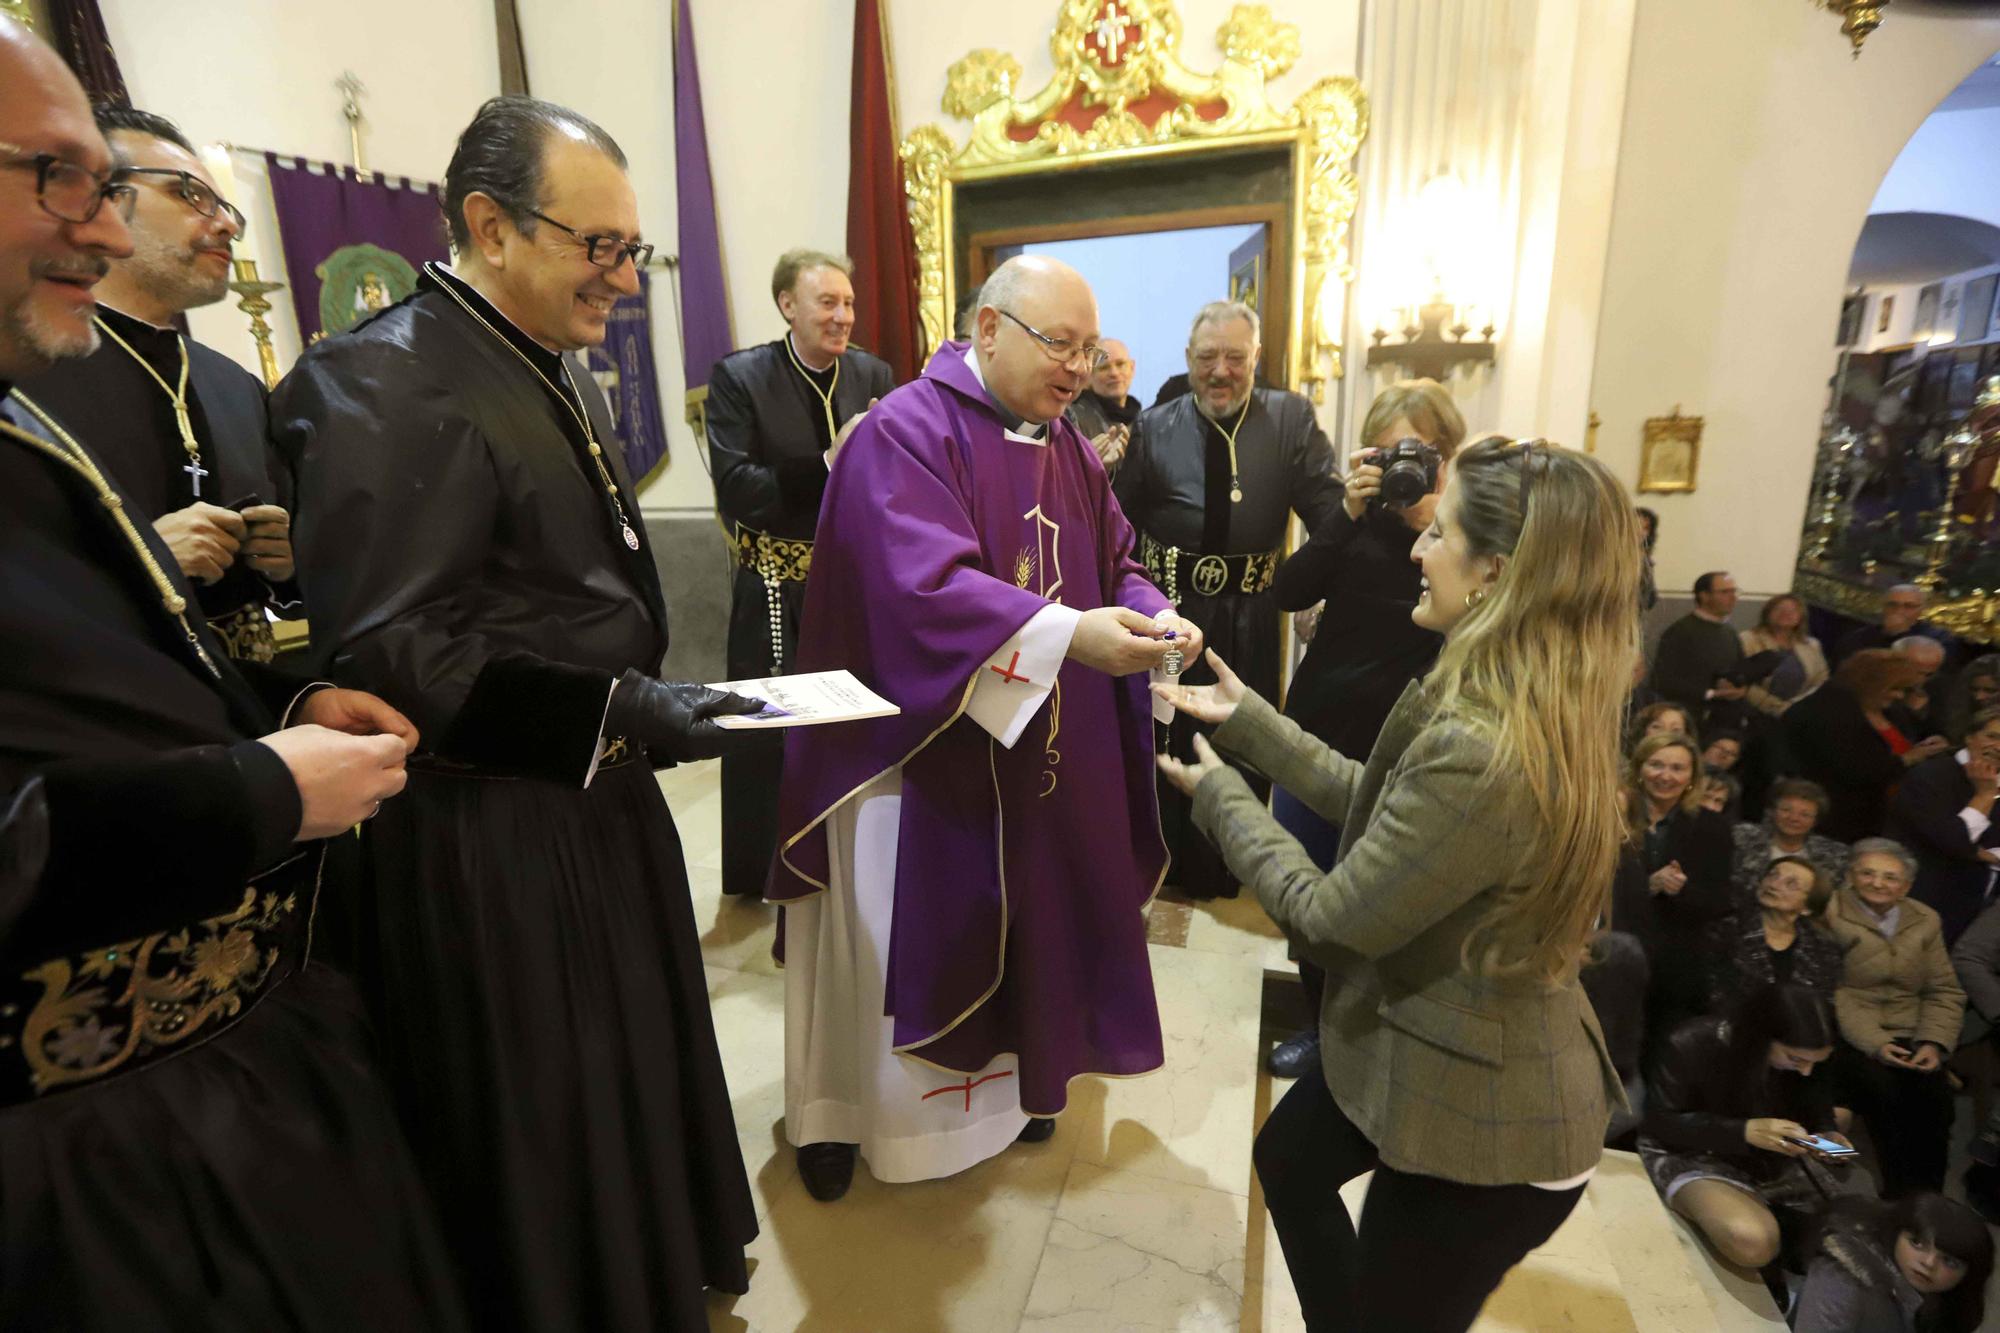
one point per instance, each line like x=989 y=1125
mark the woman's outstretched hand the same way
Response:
x=1186 y=777
x=1207 y=703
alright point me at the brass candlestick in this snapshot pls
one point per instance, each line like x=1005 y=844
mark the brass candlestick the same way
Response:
x=254 y=304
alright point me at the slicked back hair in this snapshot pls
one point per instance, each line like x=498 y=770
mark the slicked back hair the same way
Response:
x=503 y=153
x=793 y=263
x=132 y=120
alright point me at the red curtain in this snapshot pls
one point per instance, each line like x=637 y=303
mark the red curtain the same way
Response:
x=77 y=31
x=878 y=216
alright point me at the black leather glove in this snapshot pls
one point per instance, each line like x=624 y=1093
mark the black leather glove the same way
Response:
x=679 y=716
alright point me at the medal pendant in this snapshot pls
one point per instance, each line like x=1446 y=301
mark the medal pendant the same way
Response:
x=631 y=537
x=1236 y=497
x=1172 y=662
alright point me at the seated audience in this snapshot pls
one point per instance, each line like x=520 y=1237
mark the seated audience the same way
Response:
x=1724 y=749
x=1730 y=1098
x=1721 y=793
x=1976 y=689
x=1801 y=663
x=1672 y=881
x=1916 y=1266
x=1794 y=809
x=1842 y=739
x=1976 y=959
x=1661 y=719
x=1777 y=938
x=1700 y=649
x=1943 y=812
x=1900 y=1007
x=1920 y=712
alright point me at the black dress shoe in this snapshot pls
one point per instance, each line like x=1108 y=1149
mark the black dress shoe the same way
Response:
x=827 y=1169
x=1039 y=1129
x=1294 y=1055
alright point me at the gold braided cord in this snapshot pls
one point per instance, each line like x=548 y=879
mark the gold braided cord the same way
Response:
x=179 y=395
x=73 y=456
x=826 y=398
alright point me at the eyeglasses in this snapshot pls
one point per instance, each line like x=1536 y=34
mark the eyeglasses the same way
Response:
x=1207 y=357
x=70 y=192
x=604 y=251
x=196 y=194
x=1062 y=349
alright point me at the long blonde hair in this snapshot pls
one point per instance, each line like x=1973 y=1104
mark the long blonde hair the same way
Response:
x=1542 y=666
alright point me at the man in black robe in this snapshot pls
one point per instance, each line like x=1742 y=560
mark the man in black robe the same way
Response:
x=192 y=1132
x=1105 y=411
x=215 y=492
x=777 y=414
x=469 y=542
x=1210 y=481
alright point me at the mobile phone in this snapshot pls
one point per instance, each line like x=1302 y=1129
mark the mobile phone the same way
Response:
x=1827 y=1146
x=249 y=501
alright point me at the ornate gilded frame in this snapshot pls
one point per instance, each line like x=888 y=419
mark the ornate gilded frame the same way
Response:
x=1123 y=56
x=1670 y=454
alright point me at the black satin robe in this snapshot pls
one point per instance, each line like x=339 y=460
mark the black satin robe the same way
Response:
x=1175 y=487
x=767 y=441
x=250 y=1172
x=108 y=397
x=529 y=946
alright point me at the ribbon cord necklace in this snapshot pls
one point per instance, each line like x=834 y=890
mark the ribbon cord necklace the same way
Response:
x=582 y=421
x=1229 y=438
x=826 y=397
x=194 y=469
x=73 y=456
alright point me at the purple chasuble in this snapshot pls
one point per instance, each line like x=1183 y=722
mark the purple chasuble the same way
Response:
x=1022 y=875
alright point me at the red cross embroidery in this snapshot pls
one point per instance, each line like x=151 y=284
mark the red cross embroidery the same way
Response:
x=1006 y=673
x=967 y=1087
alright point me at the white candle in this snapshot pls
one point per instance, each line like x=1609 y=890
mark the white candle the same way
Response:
x=216 y=158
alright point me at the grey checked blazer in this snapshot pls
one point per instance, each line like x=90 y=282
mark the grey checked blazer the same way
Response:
x=1474 y=1079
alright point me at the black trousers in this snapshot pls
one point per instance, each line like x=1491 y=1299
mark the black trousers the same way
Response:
x=1908 y=1115
x=1429 y=1251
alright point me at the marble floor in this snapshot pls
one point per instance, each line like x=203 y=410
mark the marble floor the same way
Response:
x=1141 y=1214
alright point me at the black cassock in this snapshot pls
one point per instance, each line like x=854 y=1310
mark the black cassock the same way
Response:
x=529 y=946
x=769 y=426
x=193 y=1133
x=108 y=400
x=1215 y=557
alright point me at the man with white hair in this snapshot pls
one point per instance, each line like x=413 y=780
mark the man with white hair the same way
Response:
x=1918 y=713
x=964 y=882
x=1902 y=615
x=1210 y=480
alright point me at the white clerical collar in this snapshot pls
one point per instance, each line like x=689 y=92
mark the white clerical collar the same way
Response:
x=972 y=362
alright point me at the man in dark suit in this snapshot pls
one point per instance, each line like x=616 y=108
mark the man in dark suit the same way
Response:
x=181 y=426
x=777 y=416
x=1943 y=812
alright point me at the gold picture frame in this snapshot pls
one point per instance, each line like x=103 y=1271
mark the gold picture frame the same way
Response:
x=1670 y=454
x=1118 y=71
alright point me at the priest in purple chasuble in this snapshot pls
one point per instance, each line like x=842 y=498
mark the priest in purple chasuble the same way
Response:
x=965 y=883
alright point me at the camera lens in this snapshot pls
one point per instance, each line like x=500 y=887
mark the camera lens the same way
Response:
x=1404 y=483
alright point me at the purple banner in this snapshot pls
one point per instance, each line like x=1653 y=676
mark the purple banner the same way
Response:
x=352 y=243
x=704 y=325
x=623 y=368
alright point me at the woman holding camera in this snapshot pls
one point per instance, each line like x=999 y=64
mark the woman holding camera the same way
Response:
x=1461 y=1062
x=1365 y=648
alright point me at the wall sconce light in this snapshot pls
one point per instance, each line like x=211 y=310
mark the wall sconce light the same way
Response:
x=1858 y=18
x=1443 y=258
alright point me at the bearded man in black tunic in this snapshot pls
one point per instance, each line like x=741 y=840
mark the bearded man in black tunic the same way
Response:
x=192 y=1132
x=1211 y=480
x=469 y=542
x=777 y=414
x=180 y=425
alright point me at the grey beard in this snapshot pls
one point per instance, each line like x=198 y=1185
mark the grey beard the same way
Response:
x=41 y=344
x=169 y=276
x=1235 y=406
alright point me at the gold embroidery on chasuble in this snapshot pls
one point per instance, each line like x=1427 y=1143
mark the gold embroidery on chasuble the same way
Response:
x=245 y=634
x=138 y=998
x=1035 y=565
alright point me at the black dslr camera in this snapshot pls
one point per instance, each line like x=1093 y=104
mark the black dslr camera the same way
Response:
x=1409 y=471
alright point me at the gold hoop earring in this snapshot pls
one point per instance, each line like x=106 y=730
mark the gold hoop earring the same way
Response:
x=1474 y=598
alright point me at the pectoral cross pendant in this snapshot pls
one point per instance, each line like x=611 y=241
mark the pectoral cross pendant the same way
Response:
x=195 y=472
x=194 y=469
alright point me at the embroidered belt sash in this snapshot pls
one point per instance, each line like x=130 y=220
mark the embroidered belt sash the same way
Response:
x=245 y=634
x=1177 y=571
x=78 y=1020
x=779 y=559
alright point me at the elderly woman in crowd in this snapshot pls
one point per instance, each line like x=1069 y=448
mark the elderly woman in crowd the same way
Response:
x=1943 y=812
x=1900 y=1006
x=1673 y=879
x=1842 y=739
x=1792 y=811
x=1776 y=939
x=1731 y=1099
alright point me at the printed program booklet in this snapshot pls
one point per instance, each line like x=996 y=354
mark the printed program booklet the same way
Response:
x=806 y=701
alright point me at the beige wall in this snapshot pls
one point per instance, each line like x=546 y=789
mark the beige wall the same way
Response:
x=1752 y=146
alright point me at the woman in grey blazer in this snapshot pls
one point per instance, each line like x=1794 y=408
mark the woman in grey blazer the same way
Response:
x=1460 y=1060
